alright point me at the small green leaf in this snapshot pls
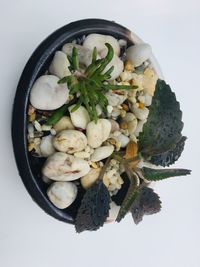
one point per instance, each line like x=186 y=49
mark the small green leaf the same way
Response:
x=129 y=198
x=163 y=128
x=57 y=115
x=161 y=174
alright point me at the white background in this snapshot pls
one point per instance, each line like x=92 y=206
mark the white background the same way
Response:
x=29 y=237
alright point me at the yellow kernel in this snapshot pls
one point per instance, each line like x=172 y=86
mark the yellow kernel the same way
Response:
x=129 y=66
x=32 y=117
x=30 y=146
x=141 y=105
x=125 y=107
x=123 y=125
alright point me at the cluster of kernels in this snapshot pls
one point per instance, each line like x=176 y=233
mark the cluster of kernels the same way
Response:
x=112 y=178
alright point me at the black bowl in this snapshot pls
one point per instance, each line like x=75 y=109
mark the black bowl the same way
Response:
x=30 y=167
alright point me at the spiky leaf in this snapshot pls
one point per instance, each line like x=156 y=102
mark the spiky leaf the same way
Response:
x=161 y=174
x=146 y=203
x=94 y=208
x=128 y=200
x=170 y=157
x=163 y=127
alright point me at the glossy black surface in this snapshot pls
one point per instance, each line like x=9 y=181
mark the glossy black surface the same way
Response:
x=28 y=166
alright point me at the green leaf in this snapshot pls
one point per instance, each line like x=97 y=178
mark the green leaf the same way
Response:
x=57 y=115
x=94 y=208
x=170 y=157
x=161 y=174
x=163 y=128
x=146 y=203
x=129 y=198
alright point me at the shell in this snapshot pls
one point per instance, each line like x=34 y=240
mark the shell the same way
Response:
x=59 y=65
x=80 y=118
x=98 y=132
x=90 y=178
x=102 y=153
x=70 y=141
x=64 y=167
x=138 y=53
x=62 y=194
x=47 y=94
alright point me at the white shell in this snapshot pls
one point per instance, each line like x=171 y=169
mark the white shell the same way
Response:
x=90 y=178
x=84 y=54
x=62 y=194
x=47 y=94
x=80 y=118
x=99 y=40
x=64 y=123
x=64 y=167
x=116 y=62
x=98 y=132
x=102 y=153
x=138 y=53
x=70 y=141
x=59 y=65
x=46 y=146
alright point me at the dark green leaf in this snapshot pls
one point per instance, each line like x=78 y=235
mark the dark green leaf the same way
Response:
x=57 y=115
x=163 y=128
x=146 y=203
x=94 y=208
x=171 y=156
x=161 y=174
x=129 y=198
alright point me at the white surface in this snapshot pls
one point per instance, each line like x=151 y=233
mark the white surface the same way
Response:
x=28 y=237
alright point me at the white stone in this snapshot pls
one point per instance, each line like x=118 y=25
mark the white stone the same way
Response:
x=46 y=146
x=80 y=117
x=138 y=53
x=70 y=141
x=140 y=113
x=59 y=65
x=123 y=139
x=64 y=167
x=98 y=132
x=62 y=194
x=90 y=178
x=64 y=123
x=113 y=212
x=47 y=94
x=102 y=153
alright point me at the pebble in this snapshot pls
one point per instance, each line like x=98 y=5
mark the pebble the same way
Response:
x=141 y=113
x=138 y=53
x=64 y=123
x=80 y=118
x=90 y=178
x=46 y=146
x=59 y=65
x=64 y=167
x=62 y=194
x=101 y=153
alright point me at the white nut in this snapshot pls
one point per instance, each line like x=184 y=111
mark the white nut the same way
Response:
x=64 y=123
x=90 y=178
x=62 y=194
x=70 y=141
x=140 y=113
x=59 y=65
x=47 y=94
x=99 y=40
x=46 y=146
x=98 y=132
x=102 y=153
x=80 y=117
x=64 y=167
x=138 y=53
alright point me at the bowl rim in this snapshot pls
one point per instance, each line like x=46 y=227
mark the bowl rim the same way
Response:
x=35 y=67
